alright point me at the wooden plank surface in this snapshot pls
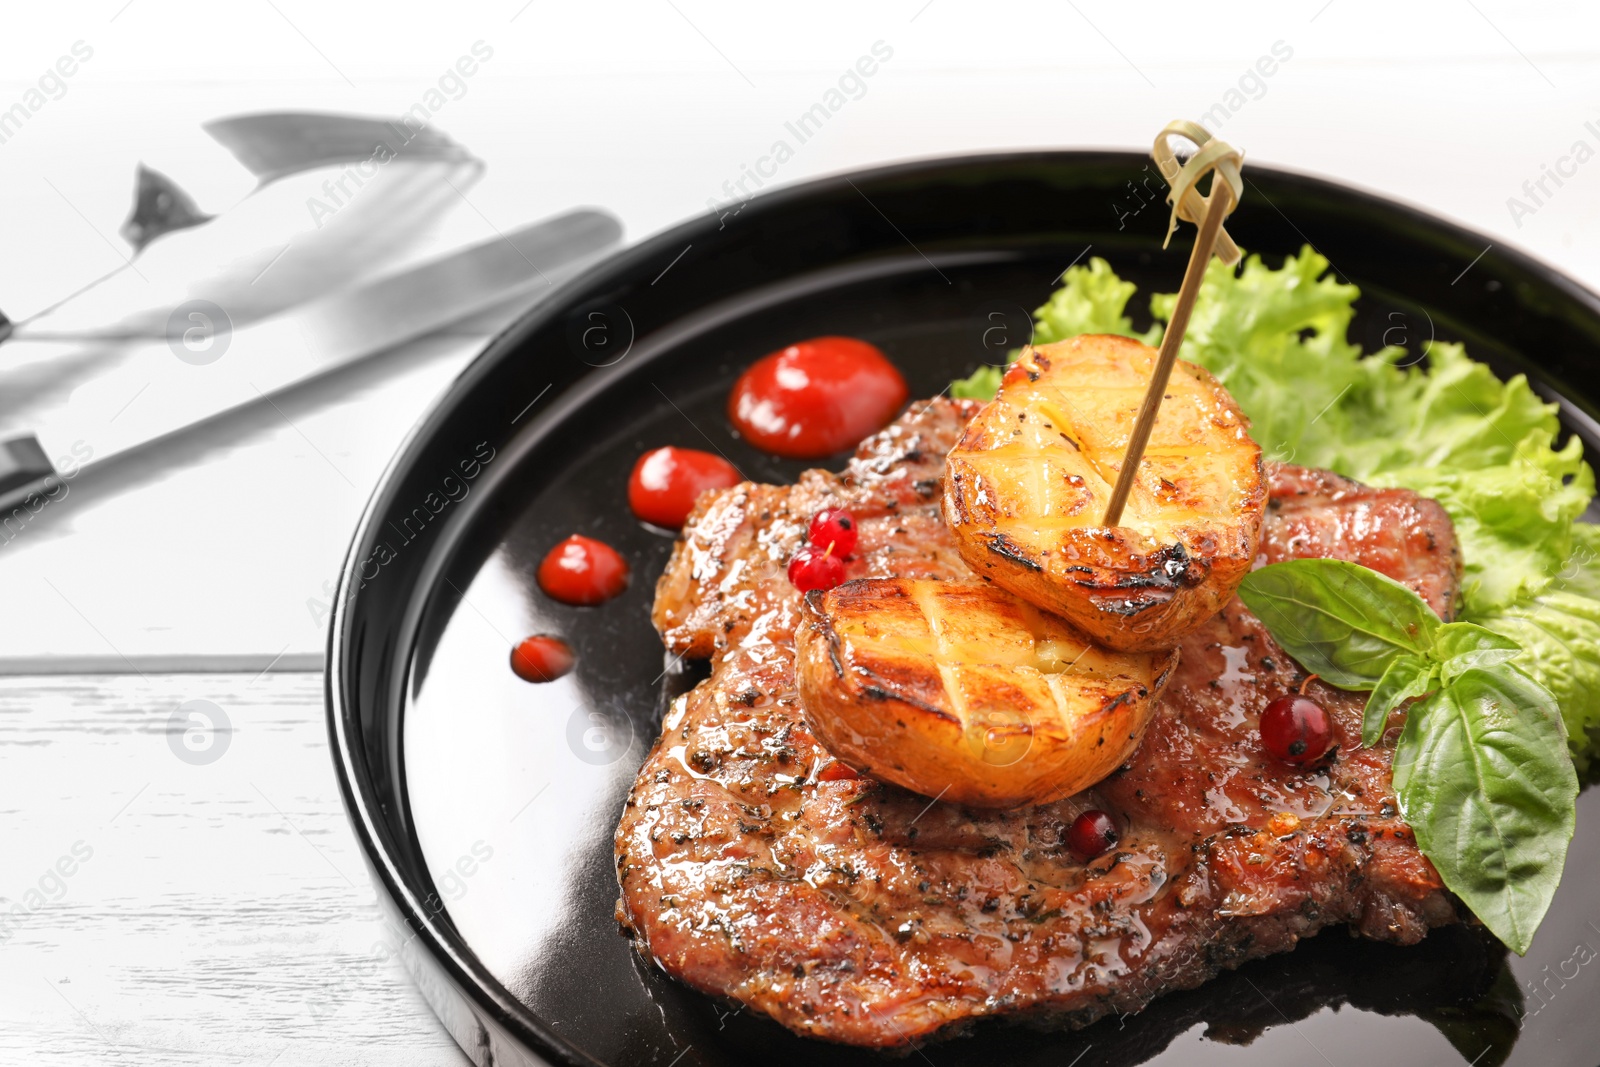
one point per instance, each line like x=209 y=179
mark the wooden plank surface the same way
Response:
x=204 y=907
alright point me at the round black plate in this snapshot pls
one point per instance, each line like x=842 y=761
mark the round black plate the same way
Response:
x=486 y=805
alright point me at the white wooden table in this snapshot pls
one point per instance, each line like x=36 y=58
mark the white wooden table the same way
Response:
x=219 y=912
x=176 y=911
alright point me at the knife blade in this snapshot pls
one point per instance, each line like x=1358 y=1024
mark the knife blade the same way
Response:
x=136 y=392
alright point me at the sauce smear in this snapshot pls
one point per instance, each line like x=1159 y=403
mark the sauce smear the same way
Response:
x=816 y=397
x=838 y=772
x=583 y=571
x=542 y=658
x=666 y=481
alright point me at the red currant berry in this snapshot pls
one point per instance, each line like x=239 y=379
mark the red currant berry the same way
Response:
x=1091 y=834
x=1296 y=729
x=813 y=568
x=834 y=526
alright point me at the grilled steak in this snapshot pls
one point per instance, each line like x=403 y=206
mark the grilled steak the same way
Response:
x=754 y=867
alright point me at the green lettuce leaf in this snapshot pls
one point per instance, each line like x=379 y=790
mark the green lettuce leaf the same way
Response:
x=1485 y=449
x=981 y=384
x=1091 y=299
x=1513 y=521
x=1560 y=637
x=1581 y=573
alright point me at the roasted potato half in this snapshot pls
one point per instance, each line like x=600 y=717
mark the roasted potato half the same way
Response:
x=962 y=691
x=1026 y=490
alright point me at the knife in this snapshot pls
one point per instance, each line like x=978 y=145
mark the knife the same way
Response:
x=139 y=391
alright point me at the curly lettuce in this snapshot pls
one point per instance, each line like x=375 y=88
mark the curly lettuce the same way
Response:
x=1559 y=631
x=1490 y=451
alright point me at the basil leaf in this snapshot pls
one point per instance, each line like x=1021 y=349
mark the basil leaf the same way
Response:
x=1407 y=677
x=1461 y=646
x=1343 y=622
x=1484 y=781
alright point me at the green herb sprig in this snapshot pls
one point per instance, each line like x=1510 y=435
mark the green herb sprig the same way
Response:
x=1481 y=767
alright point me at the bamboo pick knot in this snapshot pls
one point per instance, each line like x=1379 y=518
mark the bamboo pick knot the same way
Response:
x=1222 y=161
x=1212 y=156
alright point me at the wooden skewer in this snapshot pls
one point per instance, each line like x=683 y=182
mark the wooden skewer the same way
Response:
x=1204 y=244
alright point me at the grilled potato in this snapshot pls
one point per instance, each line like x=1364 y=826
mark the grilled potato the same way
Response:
x=1026 y=489
x=962 y=691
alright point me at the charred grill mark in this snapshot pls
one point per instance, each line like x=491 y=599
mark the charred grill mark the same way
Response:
x=1003 y=546
x=1162 y=575
x=955 y=499
x=1175 y=564
x=1122 y=698
x=1166 y=569
x=878 y=689
x=1154 y=579
x=1128 y=607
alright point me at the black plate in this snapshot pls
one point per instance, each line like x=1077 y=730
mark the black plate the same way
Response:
x=486 y=805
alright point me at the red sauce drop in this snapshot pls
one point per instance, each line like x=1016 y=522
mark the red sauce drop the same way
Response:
x=666 y=481
x=816 y=397
x=541 y=658
x=581 y=570
x=837 y=772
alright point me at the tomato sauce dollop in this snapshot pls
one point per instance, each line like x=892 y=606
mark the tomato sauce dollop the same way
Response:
x=816 y=397
x=542 y=658
x=666 y=481
x=583 y=571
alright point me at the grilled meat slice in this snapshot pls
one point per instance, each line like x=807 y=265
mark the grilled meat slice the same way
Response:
x=857 y=912
x=1316 y=513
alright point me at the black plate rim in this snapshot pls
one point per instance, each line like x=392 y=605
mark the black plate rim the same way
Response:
x=445 y=953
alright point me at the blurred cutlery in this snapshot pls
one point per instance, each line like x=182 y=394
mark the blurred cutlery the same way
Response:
x=206 y=365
